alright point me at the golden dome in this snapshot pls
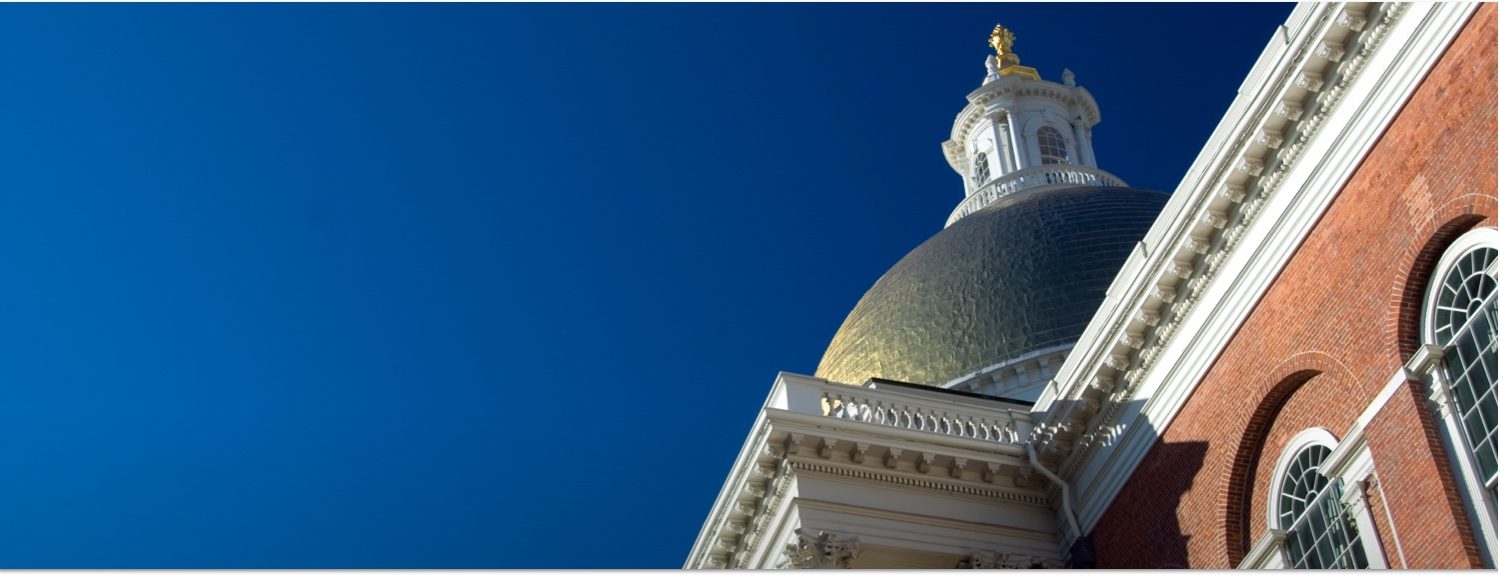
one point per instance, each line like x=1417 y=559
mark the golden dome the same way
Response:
x=1024 y=274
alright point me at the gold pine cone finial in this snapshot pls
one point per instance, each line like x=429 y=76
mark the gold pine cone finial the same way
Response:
x=1002 y=40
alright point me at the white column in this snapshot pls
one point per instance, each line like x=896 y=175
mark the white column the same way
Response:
x=1085 y=150
x=1016 y=148
x=1003 y=148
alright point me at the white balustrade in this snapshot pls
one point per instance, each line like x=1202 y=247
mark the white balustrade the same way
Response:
x=1058 y=175
x=904 y=410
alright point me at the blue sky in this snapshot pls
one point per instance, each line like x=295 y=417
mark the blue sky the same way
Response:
x=477 y=285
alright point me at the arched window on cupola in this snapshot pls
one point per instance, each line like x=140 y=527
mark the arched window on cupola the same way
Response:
x=981 y=168
x=1053 y=147
x=1320 y=532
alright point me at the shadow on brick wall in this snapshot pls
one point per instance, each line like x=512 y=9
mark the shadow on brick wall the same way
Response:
x=1141 y=529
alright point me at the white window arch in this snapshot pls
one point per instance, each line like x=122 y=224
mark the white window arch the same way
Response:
x=981 y=169
x=1458 y=332
x=1307 y=506
x=1459 y=316
x=1052 y=146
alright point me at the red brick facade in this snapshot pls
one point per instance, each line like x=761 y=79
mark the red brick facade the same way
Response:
x=1322 y=342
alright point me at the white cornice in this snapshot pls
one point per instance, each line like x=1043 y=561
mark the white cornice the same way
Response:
x=921 y=438
x=1239 y=215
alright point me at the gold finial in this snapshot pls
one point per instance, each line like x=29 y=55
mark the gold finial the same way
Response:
x=1001 y=40
x=1005 y=57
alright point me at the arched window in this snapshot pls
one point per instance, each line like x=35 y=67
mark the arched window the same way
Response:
x=981 y=168
x=1320 y=533
x=1461 y=318
x=1052 y=145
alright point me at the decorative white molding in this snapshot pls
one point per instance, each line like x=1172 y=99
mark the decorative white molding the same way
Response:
x=1250 y=166
x=900 y=436
x=1216 y=220
x=1289 y=110
x=1269 y=138
x=1181 y=270
x=1352 y=20
x=1233 y=192
x=1103 y=383
x=1165 y=294
x=1310 y=81
x=982 y=559
x=1267 y=553
x=1401 y=42
x=822 y=551
x=1150 y=318
x=1330 y=50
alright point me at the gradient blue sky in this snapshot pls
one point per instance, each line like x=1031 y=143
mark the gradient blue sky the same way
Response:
x=476 y=285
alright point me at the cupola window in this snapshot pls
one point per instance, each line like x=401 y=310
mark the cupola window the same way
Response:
x=1052 y=145
x=981 y=169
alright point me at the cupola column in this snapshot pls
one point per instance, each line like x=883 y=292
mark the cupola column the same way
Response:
x=1016 y=149
x=1085 y=147
x=1004 y=150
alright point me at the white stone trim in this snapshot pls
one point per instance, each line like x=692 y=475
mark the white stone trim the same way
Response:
x=1269 y=552
x=1341 y=123
x=1302 y=440
x=927 y=443
x=1427 y=366
x=1461 y=246
x=1349 y=464
x=1343 y=457
x=1352 y=464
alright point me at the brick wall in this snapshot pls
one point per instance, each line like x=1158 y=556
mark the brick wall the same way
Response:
x=1325 y=338
x=1423 y=499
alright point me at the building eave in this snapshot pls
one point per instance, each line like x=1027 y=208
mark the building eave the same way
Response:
x=1316 y=101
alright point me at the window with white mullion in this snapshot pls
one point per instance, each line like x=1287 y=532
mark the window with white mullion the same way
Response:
x=1325 y=536
x=1320 y=532
x=1464 y=323
x=981 y=169
x=1459 y=316
x=1053 y=147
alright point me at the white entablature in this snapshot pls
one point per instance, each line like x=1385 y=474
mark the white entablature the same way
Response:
x=883 y=475
x=1321 y=95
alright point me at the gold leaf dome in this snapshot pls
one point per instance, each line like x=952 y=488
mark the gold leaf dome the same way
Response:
x=1024 y=274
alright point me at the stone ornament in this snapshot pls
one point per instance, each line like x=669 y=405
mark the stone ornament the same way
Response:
x=821 y=551
x=980 y=559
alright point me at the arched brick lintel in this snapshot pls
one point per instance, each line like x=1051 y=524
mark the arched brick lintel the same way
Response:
x=1269 y=394
x=1434 y=232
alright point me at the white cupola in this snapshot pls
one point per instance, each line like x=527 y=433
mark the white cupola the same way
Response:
x=1020 y=132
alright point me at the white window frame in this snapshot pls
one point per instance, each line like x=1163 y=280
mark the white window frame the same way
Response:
x=1269 y=552
x=1033 y=149
x=1067 y=149
x=981 y=174
x=1479 y=503
x=1304 y=439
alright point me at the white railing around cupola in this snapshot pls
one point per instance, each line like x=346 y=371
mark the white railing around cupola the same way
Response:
x=1049 y=175
x=906 y=409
